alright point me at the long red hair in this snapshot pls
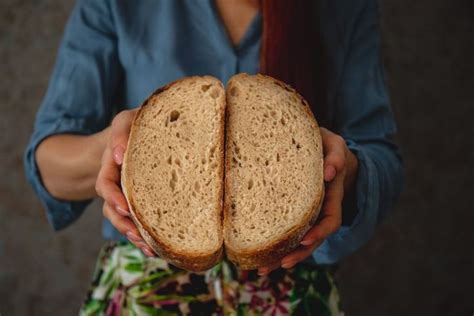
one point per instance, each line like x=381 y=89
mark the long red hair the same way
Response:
x=292 y=49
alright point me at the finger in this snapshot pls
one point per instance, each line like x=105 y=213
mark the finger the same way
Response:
x=301 y=253
x=144 y=248
x=330 y=218
x=329 y=172
x=119 y=135
x=107 y=184
x=266 y=270
x=334 y=154
x=123 y=224
x=126 y=227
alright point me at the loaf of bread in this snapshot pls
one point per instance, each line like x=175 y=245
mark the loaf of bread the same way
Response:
x=186 y=209
x=274 y=170
x=173 y=170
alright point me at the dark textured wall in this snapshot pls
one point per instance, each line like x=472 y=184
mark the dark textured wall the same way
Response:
x=420 y=261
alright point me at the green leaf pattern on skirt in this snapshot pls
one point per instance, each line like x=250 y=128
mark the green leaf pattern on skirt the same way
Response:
x=127 y=283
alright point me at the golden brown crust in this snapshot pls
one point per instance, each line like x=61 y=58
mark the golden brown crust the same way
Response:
x=257 y=257
x=187 y=261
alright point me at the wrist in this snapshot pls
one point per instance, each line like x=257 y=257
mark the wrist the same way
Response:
x=95 y=147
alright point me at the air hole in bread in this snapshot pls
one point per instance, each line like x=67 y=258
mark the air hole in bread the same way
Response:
x=278 y=157
x=250 y=184
x=177 y=162
x=215 y=93
x=174 y=179
x=212 y=150
x=205 y=87
x=174 y=115
x=197 y=187
x=177 y=135
x=169 y=160
x=234 y=91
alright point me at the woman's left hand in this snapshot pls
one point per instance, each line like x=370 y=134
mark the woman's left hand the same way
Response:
x=340 y=169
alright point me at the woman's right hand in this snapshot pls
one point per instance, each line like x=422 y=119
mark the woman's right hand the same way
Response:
x=108 y=186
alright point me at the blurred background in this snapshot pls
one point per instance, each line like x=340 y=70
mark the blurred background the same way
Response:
x=421 y=260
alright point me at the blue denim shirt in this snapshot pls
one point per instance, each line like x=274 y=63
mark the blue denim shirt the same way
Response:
x=115 y=53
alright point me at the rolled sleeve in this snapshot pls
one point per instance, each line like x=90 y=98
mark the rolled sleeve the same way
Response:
x=378 y=184
x=363 y=117
x=79 y=97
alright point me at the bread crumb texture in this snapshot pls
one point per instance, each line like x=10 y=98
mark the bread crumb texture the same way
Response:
x=174 y=166
x=275 y=155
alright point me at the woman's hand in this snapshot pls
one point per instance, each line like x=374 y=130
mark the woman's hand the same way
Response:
x=340 y=170
x=108 y=181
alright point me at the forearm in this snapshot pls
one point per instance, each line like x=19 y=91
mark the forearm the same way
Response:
x=69 y=164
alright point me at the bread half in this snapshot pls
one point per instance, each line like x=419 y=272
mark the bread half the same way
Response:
x=274 y=170
x=172 y=175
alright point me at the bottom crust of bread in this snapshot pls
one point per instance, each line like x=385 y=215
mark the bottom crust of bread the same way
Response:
x=273 y=253
x=193 y=263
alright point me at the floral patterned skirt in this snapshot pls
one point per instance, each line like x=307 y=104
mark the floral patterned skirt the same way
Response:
x=126 y=282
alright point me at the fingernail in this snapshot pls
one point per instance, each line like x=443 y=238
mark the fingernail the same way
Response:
x=121 y=211
x=329 y=173
x=288 y=264
x=307 y=242
x=118 y=154
x=148 y=252
x=133 y=237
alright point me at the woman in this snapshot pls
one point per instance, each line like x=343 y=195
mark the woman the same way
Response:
x=115 y=53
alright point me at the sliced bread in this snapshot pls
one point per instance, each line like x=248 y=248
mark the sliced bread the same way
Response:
x=274 y=170
x=172 y=175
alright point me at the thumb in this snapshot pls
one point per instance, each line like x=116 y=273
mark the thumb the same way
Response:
x=119 y=134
